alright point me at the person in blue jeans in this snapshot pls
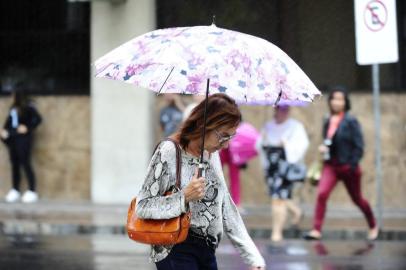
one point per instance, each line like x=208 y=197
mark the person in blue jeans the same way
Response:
x=207 y=197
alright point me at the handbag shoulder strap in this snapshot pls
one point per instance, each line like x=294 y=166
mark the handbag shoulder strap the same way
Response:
x=178 y=160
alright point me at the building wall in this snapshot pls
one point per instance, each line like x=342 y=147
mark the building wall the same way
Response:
x=61 y=154
x=393 y=131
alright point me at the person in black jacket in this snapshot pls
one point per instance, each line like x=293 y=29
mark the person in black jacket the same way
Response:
x=17 y=134
x=342 y=150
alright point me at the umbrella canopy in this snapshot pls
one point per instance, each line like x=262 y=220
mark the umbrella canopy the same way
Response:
x=195 y=59
x=181 y=60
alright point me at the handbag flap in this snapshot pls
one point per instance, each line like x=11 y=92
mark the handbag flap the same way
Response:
x=157 y=226
x=150 y=225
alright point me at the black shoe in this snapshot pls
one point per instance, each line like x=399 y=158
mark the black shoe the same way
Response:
x=309 y=237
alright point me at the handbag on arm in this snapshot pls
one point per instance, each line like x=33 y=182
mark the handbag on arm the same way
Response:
x=314 y=172
x=159 y=231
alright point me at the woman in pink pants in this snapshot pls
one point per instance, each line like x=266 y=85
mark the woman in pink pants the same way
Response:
x=342 y=151
x=237 y=155
x=234 y=173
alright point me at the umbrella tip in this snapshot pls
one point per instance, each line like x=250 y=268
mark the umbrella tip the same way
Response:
x=214 y=20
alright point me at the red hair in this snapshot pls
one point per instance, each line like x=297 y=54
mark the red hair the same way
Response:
x=222 y=111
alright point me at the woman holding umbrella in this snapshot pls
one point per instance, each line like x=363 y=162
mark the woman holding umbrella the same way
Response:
x=207 y=197
x=194 y=60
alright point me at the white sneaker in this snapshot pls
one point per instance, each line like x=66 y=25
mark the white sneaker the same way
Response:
x=29 y=197
x=13 y=196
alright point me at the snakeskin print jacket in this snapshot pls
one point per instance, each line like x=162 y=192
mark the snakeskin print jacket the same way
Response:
x=212 y=215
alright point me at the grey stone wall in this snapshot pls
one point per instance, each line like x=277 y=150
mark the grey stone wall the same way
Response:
x=62 y=149
x=393 y=131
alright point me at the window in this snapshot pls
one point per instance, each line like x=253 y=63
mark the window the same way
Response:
x=45 y=47
x=319 y=35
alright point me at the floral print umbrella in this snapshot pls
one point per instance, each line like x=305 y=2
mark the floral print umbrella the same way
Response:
x=182 y=60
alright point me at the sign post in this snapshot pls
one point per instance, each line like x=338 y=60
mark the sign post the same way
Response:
x=378 y=165
x=376 y=43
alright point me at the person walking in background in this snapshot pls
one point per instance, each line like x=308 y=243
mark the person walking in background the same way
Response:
x=213 y=211
x=342 y=151
x=172 y=114
x=234 y=175
x=17 y=134
x=241 y=149
x=283 y=144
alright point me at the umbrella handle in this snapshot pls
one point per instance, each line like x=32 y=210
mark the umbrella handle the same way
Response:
x=200 y=170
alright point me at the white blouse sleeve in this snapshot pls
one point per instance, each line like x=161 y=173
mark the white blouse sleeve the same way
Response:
x=234 y=227
x=297 y=143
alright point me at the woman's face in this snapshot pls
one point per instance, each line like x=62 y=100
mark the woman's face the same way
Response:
x=337 y=103
x=219 y=138
x=281 y=114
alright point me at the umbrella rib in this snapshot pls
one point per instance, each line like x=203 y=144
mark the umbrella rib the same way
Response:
x=167 y=77
x=278 y=99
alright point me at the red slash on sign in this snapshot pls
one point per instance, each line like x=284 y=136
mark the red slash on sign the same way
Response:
x=375 y=15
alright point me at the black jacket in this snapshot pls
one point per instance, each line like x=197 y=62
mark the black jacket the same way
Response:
x=28 y=117
x=347 y=144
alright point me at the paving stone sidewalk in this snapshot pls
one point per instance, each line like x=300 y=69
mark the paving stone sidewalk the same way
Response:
x=64 y=218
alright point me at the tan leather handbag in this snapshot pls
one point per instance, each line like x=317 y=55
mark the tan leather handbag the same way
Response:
x=314 y=172
x=159 y=231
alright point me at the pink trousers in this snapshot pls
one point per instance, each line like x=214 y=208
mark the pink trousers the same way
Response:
x=234 y=172
x=352 y=182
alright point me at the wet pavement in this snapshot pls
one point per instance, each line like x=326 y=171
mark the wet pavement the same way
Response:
x=65 y=235
x=102 y=252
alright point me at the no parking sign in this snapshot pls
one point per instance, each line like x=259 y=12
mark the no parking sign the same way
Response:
x=376 y=31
